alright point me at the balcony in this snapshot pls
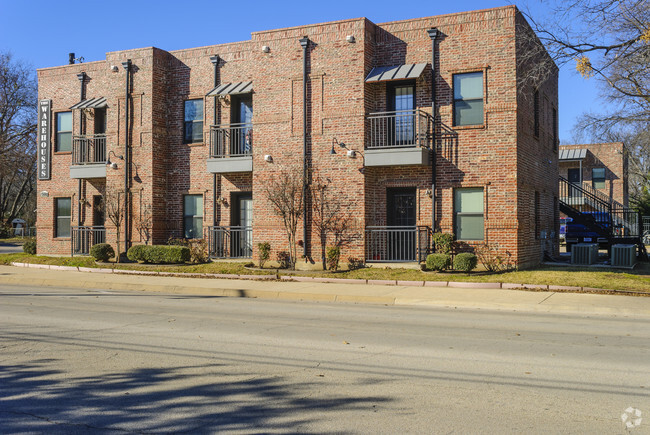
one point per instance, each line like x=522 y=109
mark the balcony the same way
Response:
x=231 y=148
x=230 y=242
x=399 y=138
x=84 y=237
x=397 y=244
x=88 y=156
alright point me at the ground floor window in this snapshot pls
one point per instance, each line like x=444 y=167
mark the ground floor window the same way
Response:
x=468 y=213
x=63 y=210
x=193 y=216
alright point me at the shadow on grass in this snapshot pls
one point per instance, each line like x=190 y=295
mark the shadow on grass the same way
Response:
x=34 y=398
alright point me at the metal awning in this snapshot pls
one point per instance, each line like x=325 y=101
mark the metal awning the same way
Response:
x=231 y=89
x=93 y=103
x=396 y=72
x=573 y=154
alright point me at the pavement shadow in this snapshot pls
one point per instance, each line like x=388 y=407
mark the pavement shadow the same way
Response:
x=34 y=398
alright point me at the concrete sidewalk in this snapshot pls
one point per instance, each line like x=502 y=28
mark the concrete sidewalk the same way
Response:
x=310 y=290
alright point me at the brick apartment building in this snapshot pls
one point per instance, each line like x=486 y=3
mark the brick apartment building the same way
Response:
x=195 y=136
x=601 y=167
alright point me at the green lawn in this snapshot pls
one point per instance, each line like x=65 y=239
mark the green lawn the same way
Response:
x=614 y=279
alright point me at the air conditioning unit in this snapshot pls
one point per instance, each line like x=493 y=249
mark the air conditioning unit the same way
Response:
x=624 y=255
x=584 y=253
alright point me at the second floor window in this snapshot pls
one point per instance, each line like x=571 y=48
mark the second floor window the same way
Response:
x=468 y=99
x=64 y=131
x=598 y=178
x=193 y=125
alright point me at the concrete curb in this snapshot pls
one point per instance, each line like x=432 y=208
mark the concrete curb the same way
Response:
x=324 y=297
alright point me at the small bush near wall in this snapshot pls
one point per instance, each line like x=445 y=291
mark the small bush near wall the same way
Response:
x=29 y=247
x=198 y=249
x=102 y=252
x=438 y=261
x=264 y=252
x=465 y=262
x=442 y=242
x=284 y=259
x=159 y=254
x=333 y=257
x=354 y=263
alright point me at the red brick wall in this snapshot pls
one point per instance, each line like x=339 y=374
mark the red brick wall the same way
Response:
x=499 y=156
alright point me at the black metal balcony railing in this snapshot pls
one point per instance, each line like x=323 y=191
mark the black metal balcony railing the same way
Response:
x=395 y=244
x=89 y=149
x=84 y=237
x=230 y=242
x=405 y=128
x=231 y=140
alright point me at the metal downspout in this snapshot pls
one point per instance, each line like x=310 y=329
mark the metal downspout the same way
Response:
x=433 y=34
x=127 y=161
x=215 y=61
x=82 y=78
x=304 y=42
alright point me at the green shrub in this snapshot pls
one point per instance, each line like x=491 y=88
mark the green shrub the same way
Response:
x=333 y=257
x=465 y=262
x=442 y=242
x=198 y=249
x=438 y=261
x=354 y=263
x=136 y=253
x=102 y=252
x=29 y=247
x=284 y=259
x=159 y=254
x=264 y=252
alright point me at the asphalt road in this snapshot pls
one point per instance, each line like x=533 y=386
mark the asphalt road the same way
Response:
x=8 y=248
x=75 y=361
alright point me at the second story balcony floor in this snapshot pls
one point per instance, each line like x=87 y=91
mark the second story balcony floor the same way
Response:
x=231 y=148
x=397 y=138
x=88 y=156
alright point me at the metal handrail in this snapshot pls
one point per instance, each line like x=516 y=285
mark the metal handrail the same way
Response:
x=400 y=128
x=88 y=149
x=84 y=237
x=231 y=140
x=230 y=241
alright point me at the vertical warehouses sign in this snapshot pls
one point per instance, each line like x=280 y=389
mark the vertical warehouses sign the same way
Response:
x=44 y=154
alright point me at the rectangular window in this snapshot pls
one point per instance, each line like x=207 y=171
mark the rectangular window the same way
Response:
x=64 y=131
x=555 y=140
x=468 y=213
x=598 y=178
x=63 y=209
x=468 y=99
x=193 y=216
x=536 y=114
x=538 y=218
x=193 y=125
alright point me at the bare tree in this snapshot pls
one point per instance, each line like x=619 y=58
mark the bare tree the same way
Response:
x=145 y=223
x=114 y=207
x=17 y=138
x=331 y=215
x=285 y=193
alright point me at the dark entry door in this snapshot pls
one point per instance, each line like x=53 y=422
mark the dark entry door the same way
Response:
x=242 y=133
x=575 y=177
x=241 y=234
x=401 y=219
x=99 y=219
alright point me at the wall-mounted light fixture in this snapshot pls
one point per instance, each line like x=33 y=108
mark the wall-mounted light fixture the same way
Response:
x=268 y=158
x=350 y=39
x=265 y=49
x=221 y=200
x=114 y=68
x=108 y=160
x=350 y=152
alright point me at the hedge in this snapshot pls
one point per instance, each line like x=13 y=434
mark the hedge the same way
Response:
x=102 y=252
x=29 y=247
x=465 y=262
x=438 y=261
x=159 y=254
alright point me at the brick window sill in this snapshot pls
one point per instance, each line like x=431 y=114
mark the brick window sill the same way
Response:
x=469 y=127
x=62 y=153
x=195 y=144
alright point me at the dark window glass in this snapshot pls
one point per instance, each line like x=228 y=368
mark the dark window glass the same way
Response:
x=598 y=178
x=64 y=131
x=63 y=208
x=468 y=99
x=193 y=216
x=468 y=213
x=536 y=114
x=193 y=125
x=555 y=129
x=537 y=216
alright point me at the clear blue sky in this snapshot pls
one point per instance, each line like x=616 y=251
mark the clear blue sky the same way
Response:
x=42 y=33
